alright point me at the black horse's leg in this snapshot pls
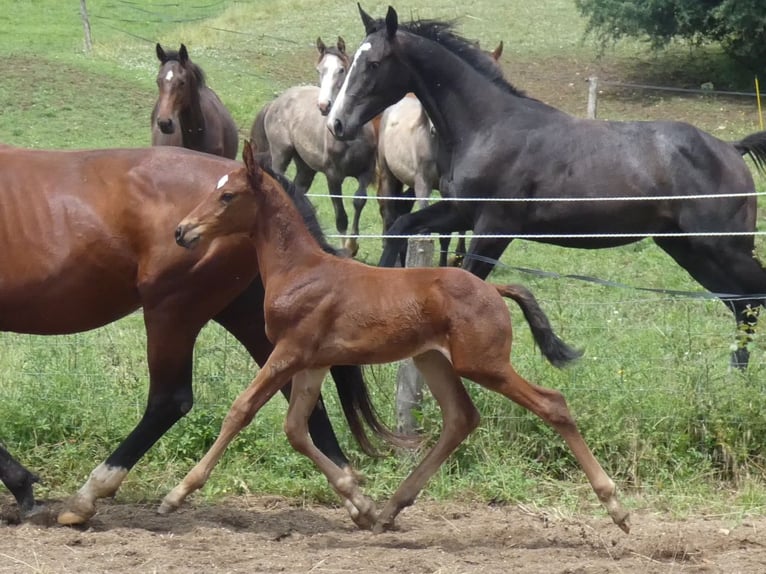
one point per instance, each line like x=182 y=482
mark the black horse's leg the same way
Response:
x=440 y=217
x=725 y=266
x=170 y=346
x=244 y=320
x=19 y=481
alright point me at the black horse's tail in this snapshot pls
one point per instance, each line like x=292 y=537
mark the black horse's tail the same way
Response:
x=553 y=348
x=258 y=131
x=754 y=145
x=359 y=410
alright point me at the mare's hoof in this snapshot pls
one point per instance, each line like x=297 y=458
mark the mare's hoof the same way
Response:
x=623 y=521
x=167 y=507
x=76 y=511
x=382 y=526
x=351 y=248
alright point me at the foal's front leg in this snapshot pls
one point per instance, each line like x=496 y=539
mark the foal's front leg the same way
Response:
x=272 y=376
x=305 y=393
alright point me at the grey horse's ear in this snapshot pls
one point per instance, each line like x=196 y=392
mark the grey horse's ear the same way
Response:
x=341 y=45
x=321 y=48
x=392 y=22
x=160 y=53
x=369 y=23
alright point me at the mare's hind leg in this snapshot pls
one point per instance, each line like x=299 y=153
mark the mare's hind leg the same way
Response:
x=304 y=175
x=460 y=418
x=726 y=266
x=360 y=200
x=306 y=387
x=335 y=189
x=20 y=482
x=270 y=378
x=550 y=406
x=170 y=346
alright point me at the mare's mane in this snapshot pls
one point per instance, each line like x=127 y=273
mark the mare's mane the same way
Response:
x=199 y=75
x=443 y=33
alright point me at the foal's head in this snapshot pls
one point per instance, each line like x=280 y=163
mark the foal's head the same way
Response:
x=178 y=80
x=232 y=208
x=331 y=65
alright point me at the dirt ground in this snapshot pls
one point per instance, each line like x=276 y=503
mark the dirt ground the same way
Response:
x=264 y=535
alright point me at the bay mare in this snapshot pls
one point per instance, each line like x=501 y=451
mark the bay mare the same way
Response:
x=88 y=238
x=292 y=129
x=497 y=143
x=323 y=310
x=187 y=112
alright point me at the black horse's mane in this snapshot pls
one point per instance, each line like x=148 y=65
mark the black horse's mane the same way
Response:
x=199 y=75
x=443 y=33
x=299 y=199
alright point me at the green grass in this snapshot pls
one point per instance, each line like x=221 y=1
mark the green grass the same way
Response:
x=653 y=394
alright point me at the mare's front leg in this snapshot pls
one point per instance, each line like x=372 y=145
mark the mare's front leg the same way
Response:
x=272 y=377
x=360 y=200
x=306 y=387
x=460 y=418
x=19 y=481
x=484 y=252
x=170 y=346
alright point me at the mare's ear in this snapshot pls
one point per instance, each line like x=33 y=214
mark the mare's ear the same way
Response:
x=341 y=45
x=183 y=55
x=497 y=52
x=160 y=53
x=392 y=22
x=254 y=170
x=321 y=48
x=369 y=23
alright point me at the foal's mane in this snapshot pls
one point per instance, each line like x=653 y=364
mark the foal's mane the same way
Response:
x=301 y=202
x=199 y=75
x=443 y=33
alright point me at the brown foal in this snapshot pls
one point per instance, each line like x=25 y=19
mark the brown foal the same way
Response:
x=322 y=310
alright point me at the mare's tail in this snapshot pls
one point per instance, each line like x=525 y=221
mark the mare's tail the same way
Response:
x=258 y=131
x=553 y=348
x=754 y=145
x=359 y=410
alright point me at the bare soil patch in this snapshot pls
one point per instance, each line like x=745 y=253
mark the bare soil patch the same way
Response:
x=257 y=534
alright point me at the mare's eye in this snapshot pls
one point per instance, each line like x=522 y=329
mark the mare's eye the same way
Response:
x=227 y=197
x=373 y=65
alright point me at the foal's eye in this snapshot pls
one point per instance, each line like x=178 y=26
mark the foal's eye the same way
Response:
x=342 y=71
x=227 y=197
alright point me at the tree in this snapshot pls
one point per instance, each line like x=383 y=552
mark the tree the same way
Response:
x=738 y=25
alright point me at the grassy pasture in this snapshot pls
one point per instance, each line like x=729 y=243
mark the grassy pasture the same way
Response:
x=653 y=395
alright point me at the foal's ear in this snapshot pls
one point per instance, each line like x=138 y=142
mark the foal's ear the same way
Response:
x=392 y=22
x=183 y=55
x=254 y=170
x=160 y=53
x=341 y=45
x=321 y=48
x=369 y=23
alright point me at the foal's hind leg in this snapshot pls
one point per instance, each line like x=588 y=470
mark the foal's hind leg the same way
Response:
x=459 y=417
x=550 y=406
x=306 y=387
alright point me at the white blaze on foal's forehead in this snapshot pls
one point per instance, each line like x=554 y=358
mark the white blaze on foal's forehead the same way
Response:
x=169 y=76
x=222 y=181
x=342 y=93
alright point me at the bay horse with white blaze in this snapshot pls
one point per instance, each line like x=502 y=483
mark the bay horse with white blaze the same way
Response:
x=322 y=310
x=85 y=242
x=497 y=143
x=187 y=112
x=292 y=129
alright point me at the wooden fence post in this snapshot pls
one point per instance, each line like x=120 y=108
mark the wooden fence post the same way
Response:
x=86 y=27
x=592 y=97
x=409 y=383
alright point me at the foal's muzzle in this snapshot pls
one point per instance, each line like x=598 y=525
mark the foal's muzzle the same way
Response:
x=187 y=235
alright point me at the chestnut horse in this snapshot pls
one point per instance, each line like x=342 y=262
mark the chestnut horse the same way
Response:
x=187 y=112
x=322 y=310
x=85 y=242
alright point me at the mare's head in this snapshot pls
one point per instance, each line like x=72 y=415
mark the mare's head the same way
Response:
x=332 y=65
x=178 y=81
x=232 y=208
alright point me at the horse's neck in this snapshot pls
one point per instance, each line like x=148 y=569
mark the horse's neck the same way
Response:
x=282 y=240
x=192 y=120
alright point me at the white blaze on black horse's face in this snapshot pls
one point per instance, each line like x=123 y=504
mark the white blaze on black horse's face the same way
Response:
x=374 y=81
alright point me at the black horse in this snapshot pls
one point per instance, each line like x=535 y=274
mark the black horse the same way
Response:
x=498 y=143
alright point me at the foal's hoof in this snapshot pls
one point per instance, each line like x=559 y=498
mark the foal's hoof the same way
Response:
x=622 y=520
x=76 y=513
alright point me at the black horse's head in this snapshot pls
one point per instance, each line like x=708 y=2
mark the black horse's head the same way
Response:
x=375 y=80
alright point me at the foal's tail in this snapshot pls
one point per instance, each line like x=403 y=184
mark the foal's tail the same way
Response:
x=554 y=349
x=754 y=145
x=359 y=410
